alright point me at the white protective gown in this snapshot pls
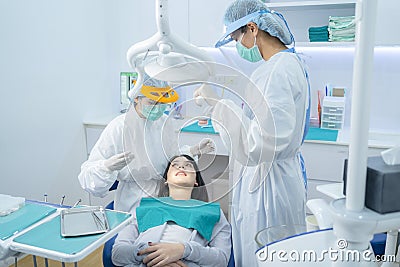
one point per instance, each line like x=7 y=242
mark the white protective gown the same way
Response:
x=152 y=143
x=270 y=190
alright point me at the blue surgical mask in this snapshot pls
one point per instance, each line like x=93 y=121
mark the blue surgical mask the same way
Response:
x=251 y=54
x=153 y=112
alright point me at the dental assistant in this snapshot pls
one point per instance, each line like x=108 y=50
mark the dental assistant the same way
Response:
x=266 y=193
x=134 y=149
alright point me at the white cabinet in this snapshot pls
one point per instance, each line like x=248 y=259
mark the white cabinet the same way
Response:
x=325 y=164
x=92 y=135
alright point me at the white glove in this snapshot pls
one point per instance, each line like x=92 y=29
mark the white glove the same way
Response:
x=207 y=93
x=205 y=146
x=119 y=161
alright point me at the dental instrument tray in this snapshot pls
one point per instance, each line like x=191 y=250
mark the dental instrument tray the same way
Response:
x=83 y=221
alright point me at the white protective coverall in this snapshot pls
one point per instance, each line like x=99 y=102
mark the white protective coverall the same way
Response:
x=152 y=143
x=198 y=251
x=268 y=182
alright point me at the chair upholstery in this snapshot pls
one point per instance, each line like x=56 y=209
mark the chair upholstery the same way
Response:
x=109 y=244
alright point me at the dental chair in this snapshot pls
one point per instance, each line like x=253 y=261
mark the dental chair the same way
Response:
x=107 y=249
x=107 y=262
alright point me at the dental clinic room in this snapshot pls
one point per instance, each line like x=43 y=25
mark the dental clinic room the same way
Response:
x=179 y=133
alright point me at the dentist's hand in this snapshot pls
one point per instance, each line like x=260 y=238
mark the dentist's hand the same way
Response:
x=119 y=161
x=207 y=93
x=205 y=146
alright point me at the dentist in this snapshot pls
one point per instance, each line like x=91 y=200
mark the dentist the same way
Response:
x=269 y=175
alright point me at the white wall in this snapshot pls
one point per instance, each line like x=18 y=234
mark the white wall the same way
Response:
x=57 y=66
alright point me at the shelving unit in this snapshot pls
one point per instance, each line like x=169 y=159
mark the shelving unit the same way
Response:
x=317 y=4
x=301 y=15
x=325 y=44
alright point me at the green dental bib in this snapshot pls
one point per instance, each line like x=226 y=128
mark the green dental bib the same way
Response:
x=192 y=213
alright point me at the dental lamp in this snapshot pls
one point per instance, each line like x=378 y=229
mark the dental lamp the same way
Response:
x=165 y=56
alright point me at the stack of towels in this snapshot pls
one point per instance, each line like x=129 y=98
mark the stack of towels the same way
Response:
x=318 y=34
x=342 y=29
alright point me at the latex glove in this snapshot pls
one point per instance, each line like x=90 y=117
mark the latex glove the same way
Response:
x=119 y=161
x=161 y=254
x=205 y=146
x=205 y=92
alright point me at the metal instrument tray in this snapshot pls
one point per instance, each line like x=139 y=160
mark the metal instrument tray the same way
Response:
x=83 y=221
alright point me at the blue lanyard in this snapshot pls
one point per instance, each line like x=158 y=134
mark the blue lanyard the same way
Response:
x=307 y=122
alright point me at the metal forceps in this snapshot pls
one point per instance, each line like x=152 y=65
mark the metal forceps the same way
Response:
x=98 y=221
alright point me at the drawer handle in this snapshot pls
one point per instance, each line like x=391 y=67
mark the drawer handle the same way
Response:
x=332 y=117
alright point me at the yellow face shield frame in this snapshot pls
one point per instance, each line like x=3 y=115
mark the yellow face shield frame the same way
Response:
x=160 y=94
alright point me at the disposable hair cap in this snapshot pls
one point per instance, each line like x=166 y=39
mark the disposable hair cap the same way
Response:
x=241 y=12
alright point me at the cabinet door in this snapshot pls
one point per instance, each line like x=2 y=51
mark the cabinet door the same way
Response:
x=92 y=135
x=206 y=21
x=324 y=161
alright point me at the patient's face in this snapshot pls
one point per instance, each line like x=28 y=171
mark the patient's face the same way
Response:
x=181 y=172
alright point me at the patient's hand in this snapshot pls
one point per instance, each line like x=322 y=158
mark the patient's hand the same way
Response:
x=176 y=264
x=161 y=254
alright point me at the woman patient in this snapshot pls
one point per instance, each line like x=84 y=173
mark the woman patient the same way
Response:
x=179 y=228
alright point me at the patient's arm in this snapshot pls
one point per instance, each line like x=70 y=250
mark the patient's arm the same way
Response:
x=217 y=252
x=124 y=247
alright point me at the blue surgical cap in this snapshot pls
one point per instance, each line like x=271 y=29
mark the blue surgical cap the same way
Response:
x=241 y=12
x=149 y=81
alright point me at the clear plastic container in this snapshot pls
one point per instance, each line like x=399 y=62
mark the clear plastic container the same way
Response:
x=277 y=233
x=9 y=204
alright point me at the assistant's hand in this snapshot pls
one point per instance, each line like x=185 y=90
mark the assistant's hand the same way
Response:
x=161 y=254
x=117 y=162
x=207 y=93
x=205 y=146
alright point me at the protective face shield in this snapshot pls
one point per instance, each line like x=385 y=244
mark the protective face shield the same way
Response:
x=153 y=112
x=241 y=12
x=251 y=54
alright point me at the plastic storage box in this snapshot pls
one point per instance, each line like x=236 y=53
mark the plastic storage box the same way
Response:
x=10 y=204
x=333 y=112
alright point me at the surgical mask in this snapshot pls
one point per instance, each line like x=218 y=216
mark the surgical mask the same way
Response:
x=251 y=54
x=153 y=112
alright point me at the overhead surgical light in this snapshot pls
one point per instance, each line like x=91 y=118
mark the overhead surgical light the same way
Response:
x=165 y=56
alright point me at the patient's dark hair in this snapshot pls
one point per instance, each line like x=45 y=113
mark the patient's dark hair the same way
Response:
x=199 y=191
